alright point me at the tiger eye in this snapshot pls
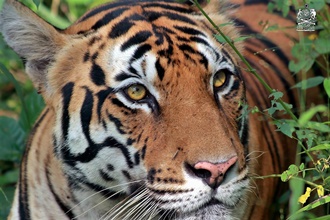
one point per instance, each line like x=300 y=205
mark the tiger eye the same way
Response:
x=219 y=79
x=136 y=92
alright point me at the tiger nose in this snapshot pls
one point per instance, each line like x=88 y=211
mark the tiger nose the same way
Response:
x=213 y=174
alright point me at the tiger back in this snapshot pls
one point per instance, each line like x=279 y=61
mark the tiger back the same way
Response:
x=144 y=114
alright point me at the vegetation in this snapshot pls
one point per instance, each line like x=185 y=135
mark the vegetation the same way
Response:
x=308 y=178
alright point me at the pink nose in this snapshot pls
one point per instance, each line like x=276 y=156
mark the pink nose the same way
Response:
x=211 y=173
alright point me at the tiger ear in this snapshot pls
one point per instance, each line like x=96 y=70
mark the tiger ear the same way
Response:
x=36 y=41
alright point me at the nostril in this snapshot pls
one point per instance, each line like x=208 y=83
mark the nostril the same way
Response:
x=201 y=173
x=212 y=173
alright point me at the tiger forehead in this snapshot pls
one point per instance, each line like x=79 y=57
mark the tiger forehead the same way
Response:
x=129 y=12
x=130 y=38
x=168 y=25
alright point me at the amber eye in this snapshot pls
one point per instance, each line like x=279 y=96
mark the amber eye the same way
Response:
x=219 y=79
x=136 y=92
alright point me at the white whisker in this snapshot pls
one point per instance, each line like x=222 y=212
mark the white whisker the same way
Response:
x=98 y=192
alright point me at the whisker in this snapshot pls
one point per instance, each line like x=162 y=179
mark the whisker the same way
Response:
x=125 y=204
x=259 y=154
x=83 y=213
x=134 y=210
x=98 y=192
x=139 y=210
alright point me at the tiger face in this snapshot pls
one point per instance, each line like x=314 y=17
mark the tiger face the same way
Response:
x=147 y=109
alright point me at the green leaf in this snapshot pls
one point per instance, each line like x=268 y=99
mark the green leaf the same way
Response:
x=34 y=105
x=326 y=85
x=297 y=188
x=6 y=197
x=302 y=166
x=36 y=2
x=319 y=126
x=225 y=24
x=293 y=169
x=306 y=134
x=9 y=177
x=287 y=129
x=276 y=94
x=12 y=138
x=308 y=115
x=326 y=217
x=317 y=148
x=271 y=7
x=274 y=27
x=220 y=38
x=317 y=5
x=242 y=38
x=80 y=2
x=309 y=83
x=285 y=8
x=326 y=183
x=19 y=91
x=285 y=176
x=321 y=201
x=322 y=45
x=296 y=67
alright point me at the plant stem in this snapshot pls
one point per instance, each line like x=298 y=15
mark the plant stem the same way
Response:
x=293 y=177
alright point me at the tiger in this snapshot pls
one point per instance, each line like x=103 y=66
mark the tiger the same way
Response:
x=145 y=112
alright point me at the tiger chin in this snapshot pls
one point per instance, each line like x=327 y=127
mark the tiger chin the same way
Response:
x=144 y=116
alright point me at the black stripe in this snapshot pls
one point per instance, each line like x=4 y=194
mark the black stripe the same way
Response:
x=93 y=148
x=143 y=151
x=102 y=95
x=137 y=38
x=233 y=90
x=117 y=123
x=105 y=176
x=66 y=210
x=137 y=158
x=118 y=103
x=170 y=7
x=67 y=94
x=122 y=76
x=178 y=17
x=110 y=167
x=23 y=201
x=166 y=52
x=160 y=33
x=190 y=31
x=124 y=25
x=205 y=43
x=97 y=75
x=140 y=51
x=106 y=7
x=160 y=70
x=126 y=174
x=86 y=57
x=109 y=17
x=187 y=48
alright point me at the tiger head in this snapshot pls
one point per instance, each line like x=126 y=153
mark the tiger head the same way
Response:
x=147 y=107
